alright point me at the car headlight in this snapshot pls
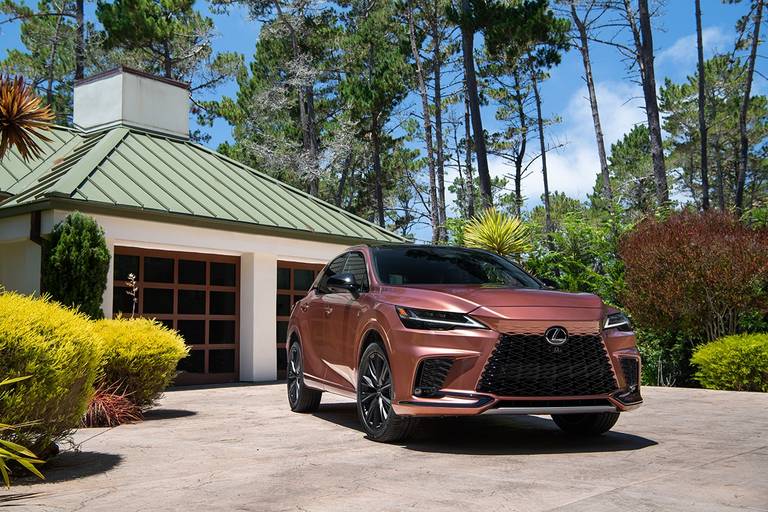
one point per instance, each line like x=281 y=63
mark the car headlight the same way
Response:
x=618 y=321
x=436 y=320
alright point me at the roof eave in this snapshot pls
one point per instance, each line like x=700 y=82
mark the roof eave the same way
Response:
x=58 y=201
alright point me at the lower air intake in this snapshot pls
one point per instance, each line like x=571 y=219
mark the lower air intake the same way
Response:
x=527 y=365
x=431 y=376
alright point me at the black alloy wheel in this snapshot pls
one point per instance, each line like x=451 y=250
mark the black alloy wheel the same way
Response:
x=300 y=397
x=374 y=399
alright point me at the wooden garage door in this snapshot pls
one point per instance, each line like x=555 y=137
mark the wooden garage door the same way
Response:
x=196 y=294
x=293 y=282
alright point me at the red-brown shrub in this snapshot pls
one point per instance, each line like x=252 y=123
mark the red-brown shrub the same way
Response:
x=110 y=407
x=695 y=273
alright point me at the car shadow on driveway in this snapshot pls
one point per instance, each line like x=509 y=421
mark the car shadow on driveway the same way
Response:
x=494 y=435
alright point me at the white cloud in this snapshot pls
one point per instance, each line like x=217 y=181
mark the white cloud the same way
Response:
x=572 y=169
x=682 y=54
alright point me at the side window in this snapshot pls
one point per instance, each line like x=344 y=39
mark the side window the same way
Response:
x=355 y=265
x=336 y=266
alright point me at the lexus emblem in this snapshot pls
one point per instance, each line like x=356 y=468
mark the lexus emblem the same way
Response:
x=556 y=336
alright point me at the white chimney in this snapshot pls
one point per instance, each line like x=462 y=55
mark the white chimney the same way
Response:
x=127 y=97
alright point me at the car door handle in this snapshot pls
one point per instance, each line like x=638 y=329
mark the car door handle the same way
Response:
x=304 y=307
x=328 y=311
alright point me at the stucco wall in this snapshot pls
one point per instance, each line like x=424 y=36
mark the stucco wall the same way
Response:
x=258 y=280
x=20 y=266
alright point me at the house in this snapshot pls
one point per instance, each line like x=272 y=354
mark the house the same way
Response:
x=221 y=251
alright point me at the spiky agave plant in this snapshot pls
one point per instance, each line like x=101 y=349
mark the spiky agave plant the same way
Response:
x=23 y=118
x=497 y=232
x=10 y=451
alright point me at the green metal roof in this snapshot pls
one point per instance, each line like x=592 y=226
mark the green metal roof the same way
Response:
x=135 y=173
x=13 y=168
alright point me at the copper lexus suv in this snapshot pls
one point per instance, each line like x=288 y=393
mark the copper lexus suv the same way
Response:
x=412 y=331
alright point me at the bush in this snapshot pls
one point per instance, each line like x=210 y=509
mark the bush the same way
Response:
x=140 y=357
x=736 y=363
x=110 y=407
x=695 y=273
x=75 y=264
x=58 y=349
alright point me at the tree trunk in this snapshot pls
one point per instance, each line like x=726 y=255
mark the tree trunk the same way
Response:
x=377 y=171
x=80 y=43
x=306 y=107
x=167 y=61
x=470 y=183
x=720 y=187
x=543 y=148
x=437 y=69
x=520 y=155
x=434 y=216
x=468 y=48
x=644 y=44
x=584 y=49
x=744 y=110
x=52 y=60
x=702 y=117
x=343 y=180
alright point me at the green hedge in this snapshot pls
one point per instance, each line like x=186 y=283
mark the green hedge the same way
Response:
x=59 y=350
x=737 y=363
x=139 y=357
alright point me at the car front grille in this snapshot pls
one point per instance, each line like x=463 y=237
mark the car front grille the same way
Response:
x=527 y=365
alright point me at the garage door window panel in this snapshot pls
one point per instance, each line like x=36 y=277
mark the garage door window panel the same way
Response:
x=196 y=294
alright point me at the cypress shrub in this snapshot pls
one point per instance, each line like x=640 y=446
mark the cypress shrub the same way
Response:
x=75 y=264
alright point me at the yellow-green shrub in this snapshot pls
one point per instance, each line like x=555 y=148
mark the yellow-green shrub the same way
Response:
x=58 y=348
x=139 y=357
x=737 y=363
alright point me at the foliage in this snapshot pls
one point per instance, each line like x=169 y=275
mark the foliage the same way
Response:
x=736 y=363
x=724 y=80
x=665 y=356
x=631 y=173
x=139 y=357
x=110 y=407
x=58 y=349
x=695 y=273
x=497 y=232
x=10 y=451
x=580 y=253
x=75 y=264
x=23 y=119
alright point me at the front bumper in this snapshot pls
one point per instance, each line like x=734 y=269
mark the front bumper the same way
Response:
x=461 y=392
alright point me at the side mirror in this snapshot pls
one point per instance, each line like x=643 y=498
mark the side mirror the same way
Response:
x=549 y=283
x=343 y=283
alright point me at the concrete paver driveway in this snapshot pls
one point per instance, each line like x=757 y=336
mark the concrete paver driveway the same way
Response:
x=239 y=448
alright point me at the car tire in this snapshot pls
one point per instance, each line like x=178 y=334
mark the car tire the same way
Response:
x=374 y=399
x=587 y=424
x=300 y=397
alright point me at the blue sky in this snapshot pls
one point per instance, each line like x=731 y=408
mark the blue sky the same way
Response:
x=574 y=166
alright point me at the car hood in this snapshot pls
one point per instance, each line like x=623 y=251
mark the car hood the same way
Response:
x=467 y=298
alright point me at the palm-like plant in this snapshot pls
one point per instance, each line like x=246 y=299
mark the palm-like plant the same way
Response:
x=23 y=118
x=10 y=451
x=497 y=232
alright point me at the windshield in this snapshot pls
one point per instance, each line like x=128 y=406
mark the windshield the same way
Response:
x=403 y=265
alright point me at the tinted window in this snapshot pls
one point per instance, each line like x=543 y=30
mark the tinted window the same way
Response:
x=355 y=265
x=336 y=266
x=447 y=265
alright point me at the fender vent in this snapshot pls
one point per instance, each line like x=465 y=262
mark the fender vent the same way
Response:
x=431 y=376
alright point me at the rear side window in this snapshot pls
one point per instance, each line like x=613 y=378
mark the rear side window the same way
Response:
x=355 y=265
x=336 y=267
